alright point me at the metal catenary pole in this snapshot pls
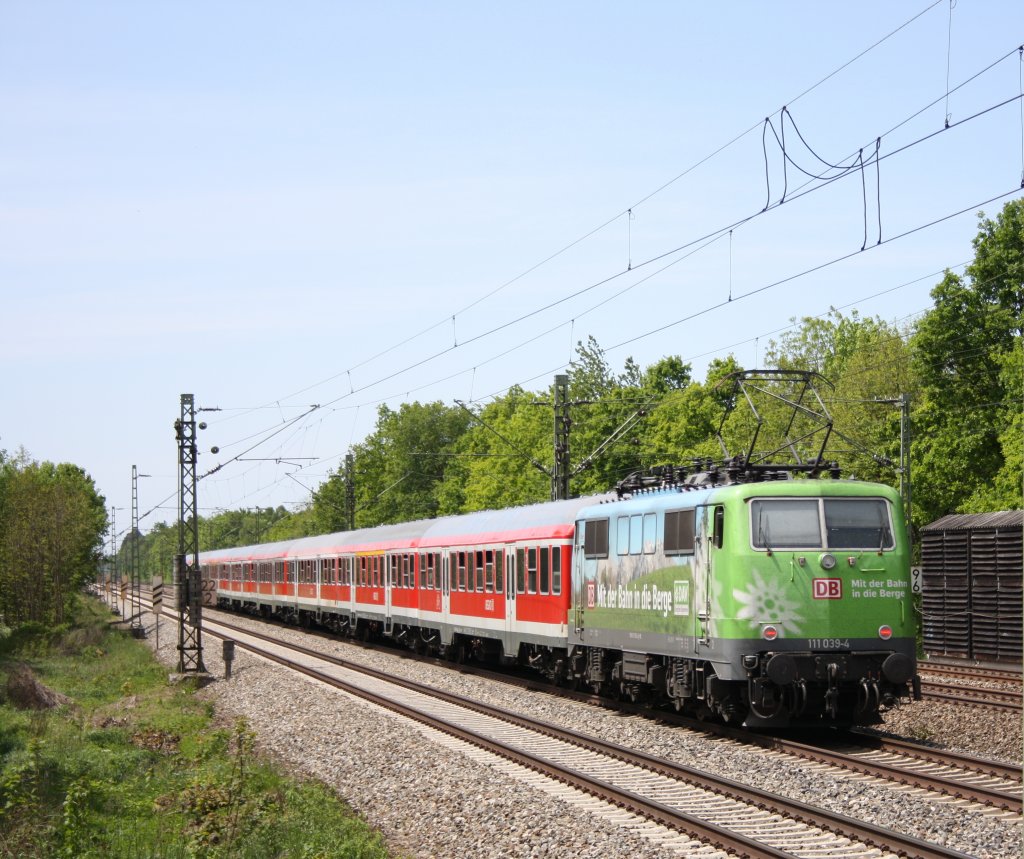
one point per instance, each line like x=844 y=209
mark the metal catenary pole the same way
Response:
x=114 y=581
x=135 y=589
x=560 y=473
x=187 y=576
x=350 y=491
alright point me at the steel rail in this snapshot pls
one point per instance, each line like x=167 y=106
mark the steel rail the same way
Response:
x=998 y=699
x=865 y=833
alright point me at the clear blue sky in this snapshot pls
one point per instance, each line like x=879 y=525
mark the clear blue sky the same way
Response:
x=241 y=200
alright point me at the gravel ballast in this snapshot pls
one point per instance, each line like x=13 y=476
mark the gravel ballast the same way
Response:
x=432 y=800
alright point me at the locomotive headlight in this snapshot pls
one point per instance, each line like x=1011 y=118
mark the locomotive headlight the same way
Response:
x=885 y=632
x=769 y=633
x=827 y=561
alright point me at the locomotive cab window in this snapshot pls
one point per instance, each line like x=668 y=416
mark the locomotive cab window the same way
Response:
x=595 y=538
x=816 y=523
x=679 y=532
x=857 y=523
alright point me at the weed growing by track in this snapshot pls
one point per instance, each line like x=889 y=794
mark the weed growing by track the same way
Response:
x=127 y=766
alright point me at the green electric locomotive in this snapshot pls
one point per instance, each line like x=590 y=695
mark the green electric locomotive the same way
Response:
x=768 y=603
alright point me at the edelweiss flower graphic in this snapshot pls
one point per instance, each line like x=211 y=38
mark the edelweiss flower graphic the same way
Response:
x=764 y=602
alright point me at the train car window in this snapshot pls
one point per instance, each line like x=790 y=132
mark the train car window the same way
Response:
x=427 y=572
x=679 y=531
x=361 y=572
x=622 y=535
x=499 y=571
x=636 y=535
x=478 y=569
x=718 y=534
x=556 y=570
x=785 y=523
x=521 y=571
x=545 y=571
x=857 y=523
x=459 y=562
x=650 y=533
x=531 y=571
x=489 y=571
x=436 y=558
x=595 y=538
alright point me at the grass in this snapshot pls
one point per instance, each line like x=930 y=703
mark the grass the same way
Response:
x=133 y=767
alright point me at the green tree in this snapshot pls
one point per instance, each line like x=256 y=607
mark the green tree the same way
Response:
x=964 y=351
x=493 y=466
x=867 y=362
x=399 y=466
x=52 y=521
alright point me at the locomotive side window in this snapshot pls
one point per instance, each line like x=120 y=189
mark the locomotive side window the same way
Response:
x=718 y=529
x=857 y=523
x=679 y=530
x=595 y=538
x=636 y=534
x=650 y=533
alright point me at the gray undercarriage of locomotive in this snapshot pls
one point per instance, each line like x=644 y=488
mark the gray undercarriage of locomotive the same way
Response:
x=777 y=689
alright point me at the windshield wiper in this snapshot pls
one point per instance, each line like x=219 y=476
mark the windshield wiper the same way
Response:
x=761 y=534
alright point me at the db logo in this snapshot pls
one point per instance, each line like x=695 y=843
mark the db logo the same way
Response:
x=591 y=594
x=828 y=589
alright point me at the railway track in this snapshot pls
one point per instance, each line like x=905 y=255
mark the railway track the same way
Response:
x=951 y=774
x=977 y=696
x=970 y=672
x=742 y=820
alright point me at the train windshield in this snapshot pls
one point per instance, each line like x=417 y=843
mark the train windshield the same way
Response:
x=821 y=523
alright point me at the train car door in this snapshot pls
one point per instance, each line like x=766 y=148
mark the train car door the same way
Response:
x=446 y=593
x=707 y=542
x=579 y=586
x=510 y=593
x=390 y=579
